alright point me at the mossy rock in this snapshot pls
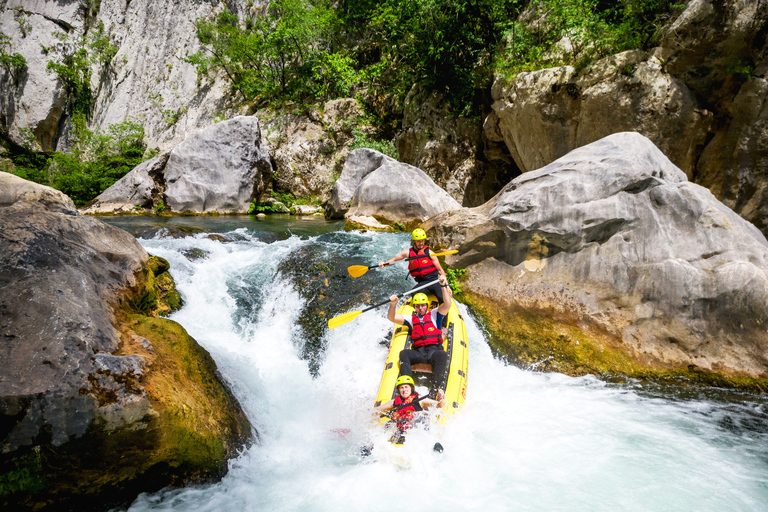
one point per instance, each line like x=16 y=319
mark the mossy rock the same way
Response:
x=540 y=342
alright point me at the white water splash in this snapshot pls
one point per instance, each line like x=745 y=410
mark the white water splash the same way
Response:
x=524 y=441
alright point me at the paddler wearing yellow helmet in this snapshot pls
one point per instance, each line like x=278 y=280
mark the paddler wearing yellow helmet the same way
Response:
x=426 y=336
x=424 y=265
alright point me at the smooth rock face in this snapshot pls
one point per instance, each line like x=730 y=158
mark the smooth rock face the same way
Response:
x=398 y=192
x=359 y=163
x=219 y=169
x=612 y=236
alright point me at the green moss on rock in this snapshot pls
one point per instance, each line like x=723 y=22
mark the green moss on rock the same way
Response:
x=541 y=342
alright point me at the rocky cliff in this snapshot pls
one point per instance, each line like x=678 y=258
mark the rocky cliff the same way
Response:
x=700 y=96
x=141 y=74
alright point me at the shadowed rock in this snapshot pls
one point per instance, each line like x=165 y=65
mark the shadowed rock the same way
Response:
x=612 y=238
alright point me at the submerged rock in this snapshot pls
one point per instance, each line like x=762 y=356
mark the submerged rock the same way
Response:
x=613 y=245
x=99 y=400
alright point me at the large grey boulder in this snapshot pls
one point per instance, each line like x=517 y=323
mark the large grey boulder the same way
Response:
x=218 y=169
x=542 y=115
x=359 y=163
x=614 y=239
x=90 y=382
x=398 y=192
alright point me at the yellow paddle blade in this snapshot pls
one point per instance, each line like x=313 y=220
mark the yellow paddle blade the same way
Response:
x=357 y=270
x=446 y=253
x=342 y=319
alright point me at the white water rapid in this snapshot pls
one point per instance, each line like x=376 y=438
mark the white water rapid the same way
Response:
x=525 y=440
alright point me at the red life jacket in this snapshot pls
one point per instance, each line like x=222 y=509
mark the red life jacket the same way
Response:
x=424 y=332
x=403 y=414
x=421 y=266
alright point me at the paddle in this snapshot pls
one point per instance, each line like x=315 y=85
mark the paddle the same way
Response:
x=348 y=317
x=358 y=270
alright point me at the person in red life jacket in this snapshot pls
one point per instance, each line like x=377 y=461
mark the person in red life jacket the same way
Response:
x=425 y=267
x=426 y=336
x=406 y=404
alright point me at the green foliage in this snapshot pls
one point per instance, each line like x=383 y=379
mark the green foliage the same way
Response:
x=172 y=116
x=14 y=63
x=96 y=162
x=159 y=207
x=75 y=73
x=22 y=19
x=272 y=55
x=386 y=147
x=577 y=32
x=334 y=75
x=454 y=276
x=317 y=49
x=100 y=44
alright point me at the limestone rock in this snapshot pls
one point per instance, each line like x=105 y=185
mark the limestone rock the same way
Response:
x=614 y=238
x=364 y=223
x=218 y=169
x=306 y=209
x=398 y=192
x=89 y=383
x=699 y=96
x=308 y=148
x=359 y=163
x=451 y=150
x=544 y=114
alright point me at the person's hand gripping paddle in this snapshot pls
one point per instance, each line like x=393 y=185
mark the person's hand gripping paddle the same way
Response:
x=348 y=317
x=358 y=270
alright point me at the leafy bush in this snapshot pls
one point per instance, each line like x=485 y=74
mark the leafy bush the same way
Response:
x=96 y=162
x=386 y=147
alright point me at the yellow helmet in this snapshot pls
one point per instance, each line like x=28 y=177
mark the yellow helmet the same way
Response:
x=420 y=298
x=405 y=379
x=419 y=234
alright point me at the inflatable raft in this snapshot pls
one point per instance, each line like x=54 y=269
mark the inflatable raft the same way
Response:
x=454 y=342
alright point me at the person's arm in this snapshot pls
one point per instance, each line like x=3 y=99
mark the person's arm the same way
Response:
x=426 y=403
x=385 y=406
x=445 y=307
x=393 y=259
x=392 y=315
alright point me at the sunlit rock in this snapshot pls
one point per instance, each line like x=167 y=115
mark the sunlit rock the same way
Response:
x=395 y=192
x=219 y=169
x=359 y=163
x=613 y=240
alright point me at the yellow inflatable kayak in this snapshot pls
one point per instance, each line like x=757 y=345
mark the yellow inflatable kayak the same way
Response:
x=454 y=342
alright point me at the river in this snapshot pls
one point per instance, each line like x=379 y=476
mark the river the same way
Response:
x=525 y=440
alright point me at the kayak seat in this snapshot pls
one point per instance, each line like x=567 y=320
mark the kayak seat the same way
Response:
x=422 y=367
